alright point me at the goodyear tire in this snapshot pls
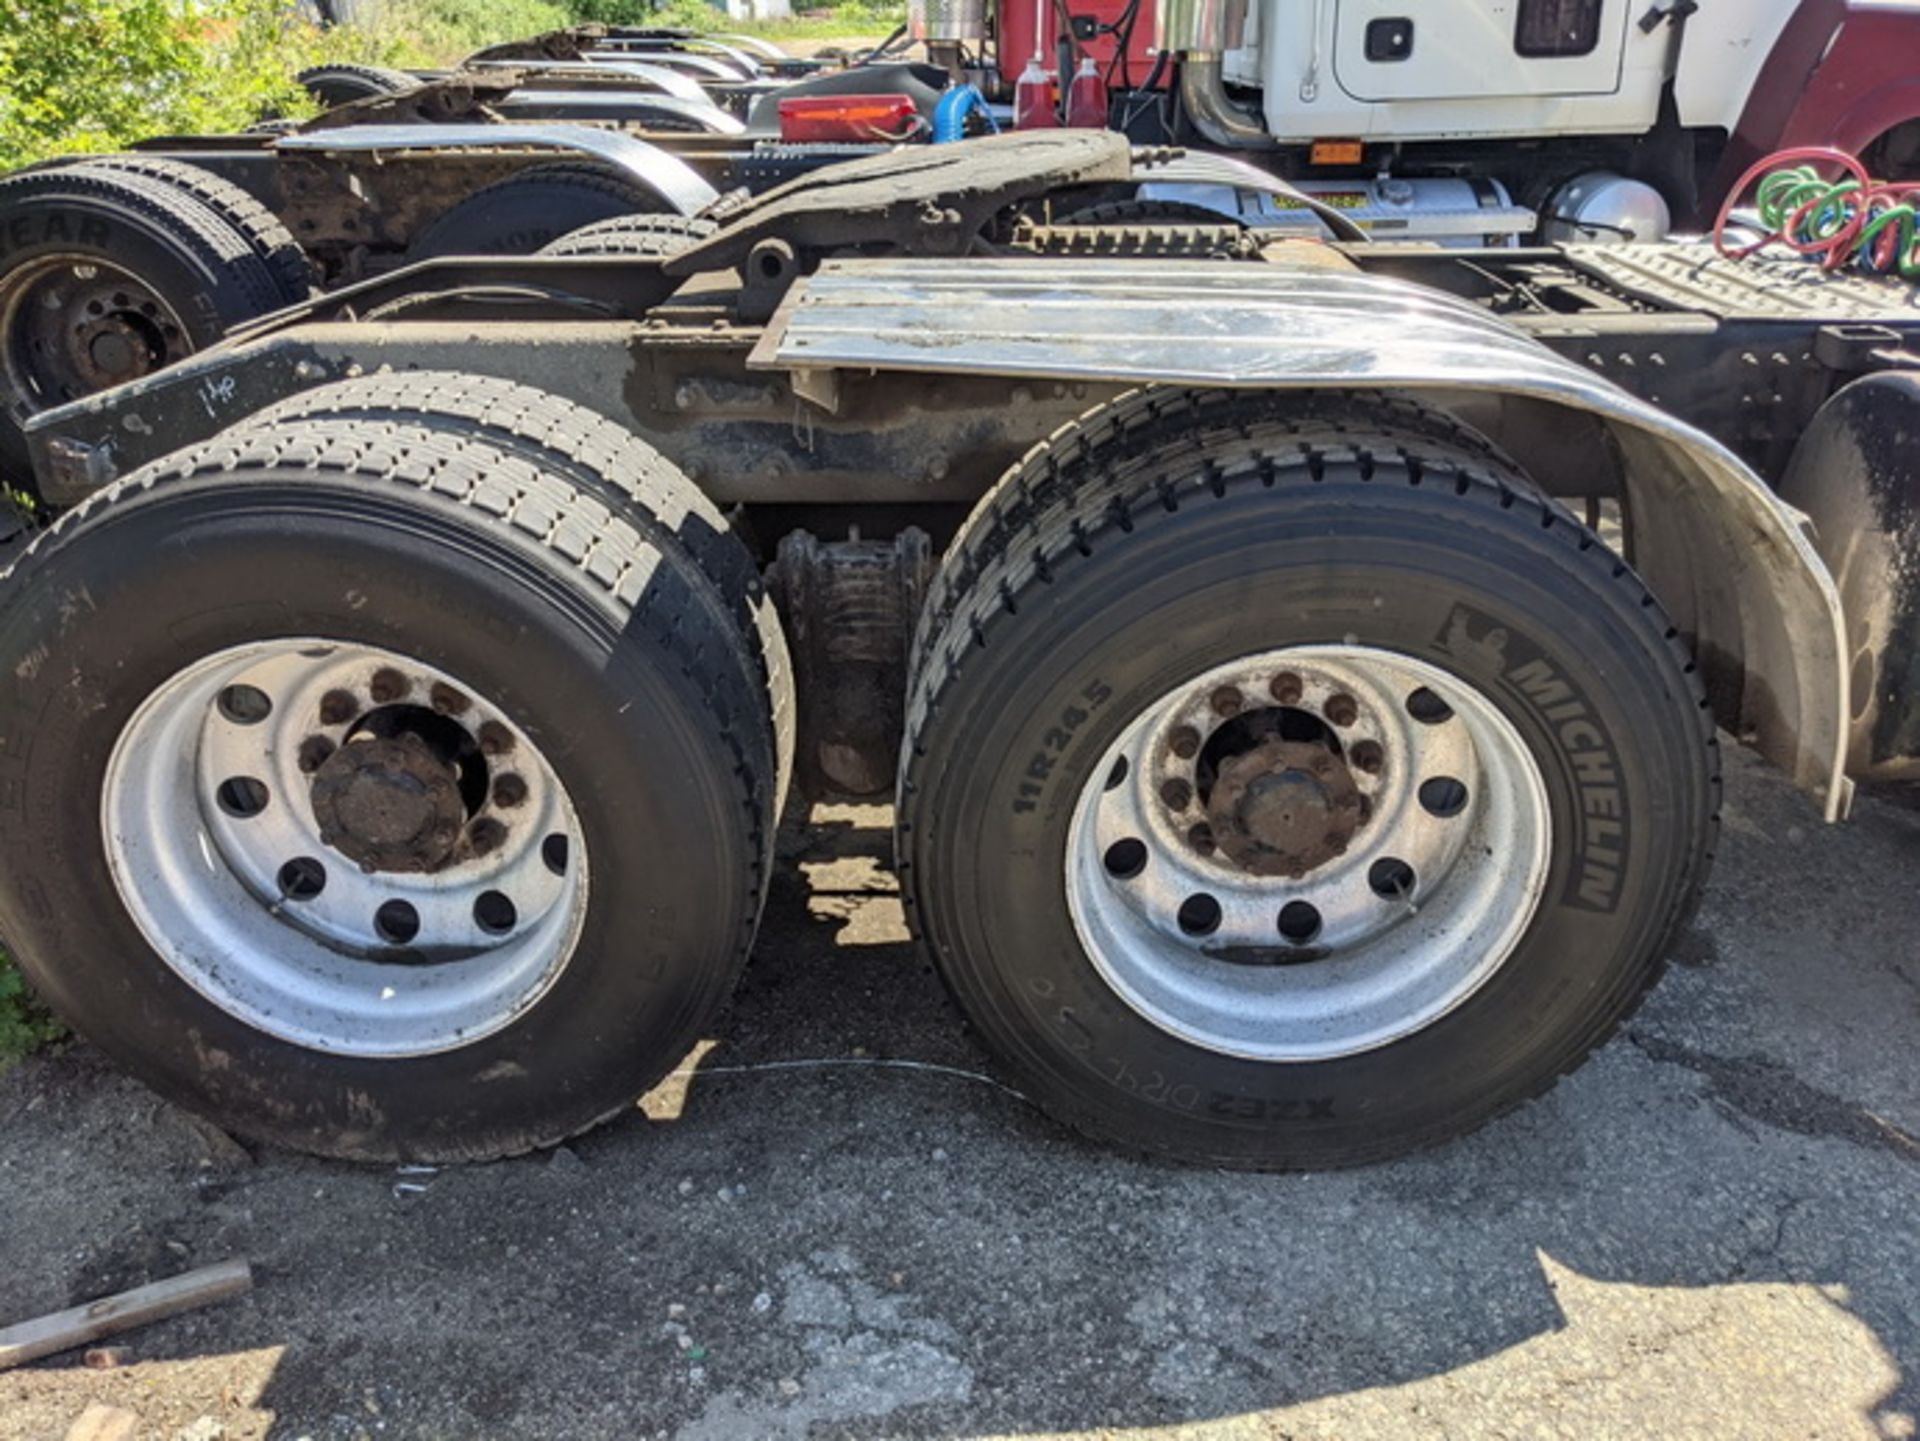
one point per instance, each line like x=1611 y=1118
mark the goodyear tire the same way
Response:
x=438 y=706
x=107 y=275
x=262 y=230
x=1289 y=784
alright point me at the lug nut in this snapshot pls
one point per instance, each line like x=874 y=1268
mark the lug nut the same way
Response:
x=389 y=685
x=495 y=739
x=1287 y=688
x=337 y=707
x=447 y=700
x=486 y=836
x=1185 y=742
x=509 y=790
x=1177 y=794
x=314 y=751
x=1226 y=700
x=1367 y=756
x=1200 y=837
x=1342 y=709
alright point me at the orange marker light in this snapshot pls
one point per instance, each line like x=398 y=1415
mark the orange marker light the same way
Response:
x=849 y=117
x=1337 y=152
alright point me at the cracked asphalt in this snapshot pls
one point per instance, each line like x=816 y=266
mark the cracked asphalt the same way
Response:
x=1712 y=1229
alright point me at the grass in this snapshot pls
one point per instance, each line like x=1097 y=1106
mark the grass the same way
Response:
x=25 y=1025
x=856 y=19
x=819 y=27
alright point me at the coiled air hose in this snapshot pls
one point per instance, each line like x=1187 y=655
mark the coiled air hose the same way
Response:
x=1872 y=225
x=950 y=113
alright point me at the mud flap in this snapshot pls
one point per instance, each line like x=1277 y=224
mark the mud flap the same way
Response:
x=1855 y=476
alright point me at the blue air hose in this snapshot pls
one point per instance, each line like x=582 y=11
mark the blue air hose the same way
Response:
x=955 y=105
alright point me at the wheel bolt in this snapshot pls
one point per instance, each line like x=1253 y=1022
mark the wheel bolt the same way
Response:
x=1343 y=709
x=389 y=685
x=509 y=790
x=1177 y=794
x=1226 y=700
x=1200 y=837
x=314 y=751
x=495 y=739
x=1287 y=688
x=1185 y=742
x=1367 y=756
x=337 y=707
x=447 y=700
x=486 y=836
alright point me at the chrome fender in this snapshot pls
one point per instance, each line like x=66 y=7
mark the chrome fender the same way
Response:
x=665 y=174
x=1730 y=562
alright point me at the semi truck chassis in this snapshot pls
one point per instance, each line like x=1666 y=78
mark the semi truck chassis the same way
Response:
x=1299 y=674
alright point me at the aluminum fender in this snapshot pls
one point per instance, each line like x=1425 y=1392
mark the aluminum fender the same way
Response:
x=666 y=175
x=1727 y=558
x=617 y=105
x=658 y=77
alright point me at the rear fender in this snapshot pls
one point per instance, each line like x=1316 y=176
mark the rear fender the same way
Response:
x=1723 y=554
x=680 y=187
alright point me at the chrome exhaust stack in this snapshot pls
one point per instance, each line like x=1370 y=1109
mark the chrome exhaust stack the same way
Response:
x=945 y=26
x=1200 y=32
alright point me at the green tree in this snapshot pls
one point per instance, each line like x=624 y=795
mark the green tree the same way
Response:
x=90 y=75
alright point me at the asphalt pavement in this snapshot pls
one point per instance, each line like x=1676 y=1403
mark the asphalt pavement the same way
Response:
x=836 y=1224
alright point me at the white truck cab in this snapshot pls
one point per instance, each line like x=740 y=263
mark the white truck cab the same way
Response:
x=1412 y=70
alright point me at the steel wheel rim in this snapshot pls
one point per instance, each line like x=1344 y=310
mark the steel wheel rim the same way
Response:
x=76 y=324
x=215 y=812
x=1374 y=962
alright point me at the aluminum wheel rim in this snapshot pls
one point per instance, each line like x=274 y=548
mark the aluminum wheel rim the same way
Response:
x=212 y=818
x=1418 y=894
x=76 y=324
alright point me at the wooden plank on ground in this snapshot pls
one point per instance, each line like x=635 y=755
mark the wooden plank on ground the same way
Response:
x=104 y=1423
x=30 y=1340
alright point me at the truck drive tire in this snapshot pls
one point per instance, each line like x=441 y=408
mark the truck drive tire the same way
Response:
x=525 y=212
x=1290 y=785
x=472 y=755
x=648 y=235
x=609 y=464
x=332 y=85
x=106 y=276
x=262 y=229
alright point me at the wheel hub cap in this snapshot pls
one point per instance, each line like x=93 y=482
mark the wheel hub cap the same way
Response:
x=113 y=350
x=389 y=804
x=1284 y=808
x=71 y=325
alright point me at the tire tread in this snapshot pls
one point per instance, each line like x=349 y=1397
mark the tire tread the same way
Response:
x=1100 y=477
x=605 y=550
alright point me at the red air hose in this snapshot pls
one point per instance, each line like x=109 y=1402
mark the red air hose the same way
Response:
x=1855 y=219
